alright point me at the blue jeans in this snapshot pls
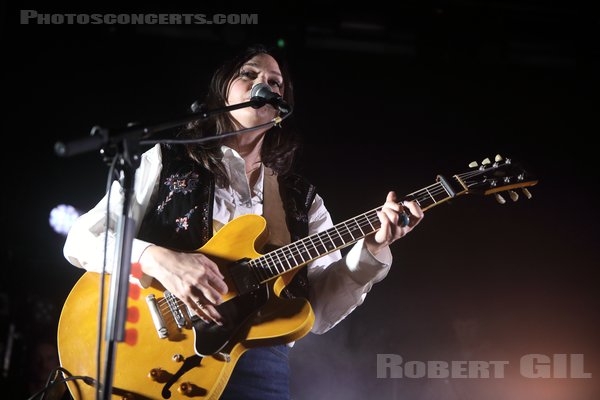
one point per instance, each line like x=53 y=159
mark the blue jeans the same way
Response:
x=262 y=373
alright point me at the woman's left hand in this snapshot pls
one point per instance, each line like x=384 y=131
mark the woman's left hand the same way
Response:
x=397 y=220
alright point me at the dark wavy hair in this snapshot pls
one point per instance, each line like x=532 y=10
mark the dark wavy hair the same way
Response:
x=280 y=144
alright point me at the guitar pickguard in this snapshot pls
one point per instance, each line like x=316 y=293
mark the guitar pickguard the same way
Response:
x=211 y=338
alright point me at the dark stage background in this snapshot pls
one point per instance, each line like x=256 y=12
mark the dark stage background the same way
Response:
x=385 y=100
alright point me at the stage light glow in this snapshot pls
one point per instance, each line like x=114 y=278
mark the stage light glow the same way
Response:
x=62 y=218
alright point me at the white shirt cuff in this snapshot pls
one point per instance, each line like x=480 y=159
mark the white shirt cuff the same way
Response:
x=137 y=249
x=365 y=267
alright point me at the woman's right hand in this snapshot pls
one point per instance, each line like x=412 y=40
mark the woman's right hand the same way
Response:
x=191 y=277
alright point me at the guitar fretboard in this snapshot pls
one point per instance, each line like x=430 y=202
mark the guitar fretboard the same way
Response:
x=310 y=248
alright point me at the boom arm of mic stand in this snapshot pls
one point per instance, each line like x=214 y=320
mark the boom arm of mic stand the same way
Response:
x=102 y=137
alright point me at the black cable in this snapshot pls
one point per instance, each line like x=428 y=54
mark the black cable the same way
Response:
x=86 y=379
x=275 y=121
x=52 y=377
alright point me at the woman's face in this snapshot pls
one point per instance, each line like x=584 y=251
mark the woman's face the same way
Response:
x=261 y=68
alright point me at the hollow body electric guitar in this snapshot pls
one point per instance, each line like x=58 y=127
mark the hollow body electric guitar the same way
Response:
x=169 y=353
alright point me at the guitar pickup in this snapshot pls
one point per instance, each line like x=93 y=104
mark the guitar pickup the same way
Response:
x=243 y=276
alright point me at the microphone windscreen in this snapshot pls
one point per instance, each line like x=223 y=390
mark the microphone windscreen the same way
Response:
x=260 y=90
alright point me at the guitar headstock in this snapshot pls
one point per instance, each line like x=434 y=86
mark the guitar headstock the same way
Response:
x=502 y=175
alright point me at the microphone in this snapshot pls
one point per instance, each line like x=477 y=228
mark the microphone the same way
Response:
x=262 y=94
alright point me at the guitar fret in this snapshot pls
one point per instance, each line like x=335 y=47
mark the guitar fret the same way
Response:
x=290 y=256
x=432 y=198
x=324 y=250
x=370 y=226
x=362 y=233
x=441 y=195
x=260 y=269
x=315 y=248
x=278 y=262
x=331 y=242
x=300 y=254
x=307 y=253
x=370 y=223
x=339 y=237
x=264 y=268
x=271 y=264
x=445 y=189
x=348 y=233
x=285 y=257
x=307 y=249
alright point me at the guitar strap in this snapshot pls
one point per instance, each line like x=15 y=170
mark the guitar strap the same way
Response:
x=279 y=234
x=273 y=211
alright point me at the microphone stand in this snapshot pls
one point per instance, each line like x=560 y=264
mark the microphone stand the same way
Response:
x=125 y=144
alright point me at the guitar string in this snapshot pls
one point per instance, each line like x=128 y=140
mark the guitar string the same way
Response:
x=345 y=230
x=163 y=305
x=367 y=220
x=266 y=268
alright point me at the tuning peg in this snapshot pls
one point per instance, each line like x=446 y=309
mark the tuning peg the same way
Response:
x=473 y=164
x=514 y=196
x=486 y=162
x=527 y=193
x=498 y=158
x=499 y=198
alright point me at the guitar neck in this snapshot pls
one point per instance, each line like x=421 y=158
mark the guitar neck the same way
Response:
x=301 y=252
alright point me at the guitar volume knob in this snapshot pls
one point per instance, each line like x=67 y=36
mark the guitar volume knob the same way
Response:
x=185 y=388
x=159 y=375
x=190 y=390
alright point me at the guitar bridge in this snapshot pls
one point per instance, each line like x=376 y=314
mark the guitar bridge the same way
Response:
x=157 y=318
x=178 y=315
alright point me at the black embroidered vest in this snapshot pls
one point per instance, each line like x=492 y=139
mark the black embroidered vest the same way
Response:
x=180 y=215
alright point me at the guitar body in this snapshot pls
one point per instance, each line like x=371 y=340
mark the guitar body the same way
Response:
x=194 y=361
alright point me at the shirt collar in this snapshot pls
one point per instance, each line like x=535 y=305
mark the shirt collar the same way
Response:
x=236 y=170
